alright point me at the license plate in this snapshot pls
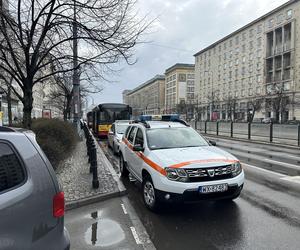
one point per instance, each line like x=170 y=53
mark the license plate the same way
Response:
x=213 y=188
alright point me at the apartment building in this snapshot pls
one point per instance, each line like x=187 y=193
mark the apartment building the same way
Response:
x=179 y=86
x=259 y=61
x=147 y=98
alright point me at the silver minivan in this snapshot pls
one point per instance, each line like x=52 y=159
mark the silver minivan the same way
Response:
x=31 y=202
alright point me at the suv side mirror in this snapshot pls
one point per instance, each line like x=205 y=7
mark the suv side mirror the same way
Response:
x=213 y=143
x=138 y=148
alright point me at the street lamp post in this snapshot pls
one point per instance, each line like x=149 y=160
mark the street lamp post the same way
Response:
x=76 y=80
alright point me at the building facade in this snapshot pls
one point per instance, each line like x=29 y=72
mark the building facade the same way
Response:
x=147 y=98
x=257 y=64
x=179 y=86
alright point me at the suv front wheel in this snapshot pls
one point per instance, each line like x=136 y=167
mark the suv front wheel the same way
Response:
x=149 y=194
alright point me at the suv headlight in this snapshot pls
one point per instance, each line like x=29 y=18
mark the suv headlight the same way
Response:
x=176 y=174
x=236 y=168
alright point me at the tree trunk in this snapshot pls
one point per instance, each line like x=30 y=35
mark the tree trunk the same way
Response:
x=8 y=97
x=68 y=107
x=27 y=109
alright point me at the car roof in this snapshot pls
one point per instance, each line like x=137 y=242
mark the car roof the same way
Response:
x=162 y=124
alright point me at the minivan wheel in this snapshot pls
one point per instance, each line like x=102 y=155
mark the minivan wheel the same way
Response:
x=149 y=194
x=124 y=171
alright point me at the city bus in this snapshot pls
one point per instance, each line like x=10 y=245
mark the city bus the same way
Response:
x=105 y=114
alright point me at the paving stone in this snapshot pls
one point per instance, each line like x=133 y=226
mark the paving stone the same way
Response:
x=75 y=179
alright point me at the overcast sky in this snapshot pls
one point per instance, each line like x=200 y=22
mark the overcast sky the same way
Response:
x=183 y=28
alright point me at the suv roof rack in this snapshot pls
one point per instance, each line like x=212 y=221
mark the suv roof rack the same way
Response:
x=145 y=123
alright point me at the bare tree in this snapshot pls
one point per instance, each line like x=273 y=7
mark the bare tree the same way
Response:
x=278 y=101
x=6 y=88
x=254 y=104
x=61 y=93
x=230 y=103
x=36 y=34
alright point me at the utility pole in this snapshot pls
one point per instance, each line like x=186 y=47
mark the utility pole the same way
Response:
x=76 y=80
x=1 y=114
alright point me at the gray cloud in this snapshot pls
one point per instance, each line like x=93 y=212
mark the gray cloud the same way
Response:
x=189 y=26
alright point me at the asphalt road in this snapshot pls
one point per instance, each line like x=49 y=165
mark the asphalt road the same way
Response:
x=264 y=217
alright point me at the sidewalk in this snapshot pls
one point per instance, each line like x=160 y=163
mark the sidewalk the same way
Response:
x=76 y=181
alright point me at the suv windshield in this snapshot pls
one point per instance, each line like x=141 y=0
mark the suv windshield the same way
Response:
x=121 y=128
x=164 y=138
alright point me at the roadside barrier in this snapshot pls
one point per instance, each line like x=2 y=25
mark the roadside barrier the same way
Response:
x=92 y=154
x=288 y=134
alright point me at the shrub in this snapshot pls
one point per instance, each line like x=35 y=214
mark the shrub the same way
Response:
x=57 y=138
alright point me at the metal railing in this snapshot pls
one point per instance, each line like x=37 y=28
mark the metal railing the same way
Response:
x=275 y=133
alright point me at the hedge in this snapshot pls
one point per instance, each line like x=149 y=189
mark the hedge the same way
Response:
x=57 y=138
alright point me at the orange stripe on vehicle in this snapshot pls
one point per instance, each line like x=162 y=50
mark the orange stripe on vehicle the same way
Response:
x=146 y=159
x=182 y=164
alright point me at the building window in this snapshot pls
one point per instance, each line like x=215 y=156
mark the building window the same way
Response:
x=244 y=59
x=230 y=42
x=250 y=92
x=271 y=22
x=224 y=45
x=258 y=90
x=237 y=50
x=279 y=18
x=237 y=61
x=259 y=28
x=259 y=42
x=258 y=78
x=250 y=68
x=230 y=64
x=250 y=33
x=251 y=44
x=242 y=92
x=243 y=48
x=244 y=36
x=236 y=40
x=251 y=56
x=289 y=13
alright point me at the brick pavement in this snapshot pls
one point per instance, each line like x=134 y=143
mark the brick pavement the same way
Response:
x=76 y=181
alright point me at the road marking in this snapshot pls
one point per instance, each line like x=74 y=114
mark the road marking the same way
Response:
x=135 y=236
x=281 y=163
x=265 y=170
x=124 y=208
x=295 y=179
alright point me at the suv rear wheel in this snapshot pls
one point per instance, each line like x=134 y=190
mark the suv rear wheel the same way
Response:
x=149 y=194
x=124 y=171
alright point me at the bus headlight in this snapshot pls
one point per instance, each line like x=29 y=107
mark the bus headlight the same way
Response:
x=176 y=174
x=236 y=168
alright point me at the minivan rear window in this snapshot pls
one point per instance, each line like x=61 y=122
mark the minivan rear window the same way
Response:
x=11 y=171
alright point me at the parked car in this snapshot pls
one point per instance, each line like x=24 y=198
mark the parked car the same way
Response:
x=31 y=201
x=175 y=163
x=293 y=122
x=269 y=120
x=115 y=134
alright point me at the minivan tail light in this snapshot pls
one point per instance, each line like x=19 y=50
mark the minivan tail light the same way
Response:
x=59 y=205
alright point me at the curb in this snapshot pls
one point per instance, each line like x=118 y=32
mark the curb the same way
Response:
x=291 y=187
x=250 y=141
x=100 y=197
x=93 y=199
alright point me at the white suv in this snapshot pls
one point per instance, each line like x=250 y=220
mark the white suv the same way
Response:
x=174 y=163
